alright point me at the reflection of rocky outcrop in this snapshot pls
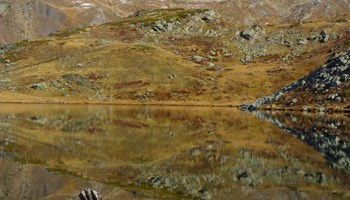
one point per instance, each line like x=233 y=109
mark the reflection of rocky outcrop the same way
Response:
x=191 y=153
x=326 y=135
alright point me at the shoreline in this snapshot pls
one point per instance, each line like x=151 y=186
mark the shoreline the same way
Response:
x=305 y=109
x=20 y=98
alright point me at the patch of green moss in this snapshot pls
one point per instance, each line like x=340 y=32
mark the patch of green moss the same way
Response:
x=69 y=33
x=143 y=47
x=39 y=42
x=12 y=56
x=22 y=44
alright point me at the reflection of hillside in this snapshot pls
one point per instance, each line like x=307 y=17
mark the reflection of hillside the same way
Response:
x=327 y=134
x=27 y=181
x=188 y=151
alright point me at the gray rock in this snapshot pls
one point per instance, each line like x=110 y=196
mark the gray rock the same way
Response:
x=324 y=37
x=246 y=59
x=89 y=194
x=4 y=81
x=209 y=16
x=195 y=152
x=172 y=76
x=321 y=178
x=210 y=64
x=301 y=42
x=79 y=65
x=39 y=120
x=39 y=86
x=252 y=32
x=197 y=59
x=312 y=36
x=287 y=43
x=249 y=179
x=56 y=85
x=158 y=27
x=336 y=81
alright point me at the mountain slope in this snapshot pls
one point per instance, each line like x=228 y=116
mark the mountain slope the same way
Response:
x=172 y=56
x=32 y=19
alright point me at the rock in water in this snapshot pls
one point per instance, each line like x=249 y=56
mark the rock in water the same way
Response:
x=89 y=194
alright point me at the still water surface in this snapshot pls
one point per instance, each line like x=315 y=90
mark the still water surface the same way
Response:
x=131 y=152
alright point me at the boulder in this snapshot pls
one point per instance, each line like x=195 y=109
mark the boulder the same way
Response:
x=39 y=86
x=324 y=36
x=158 y=27
x=197 y=59
x=246 y=59
x=301 y=42
x=312 y=36
x=88 y=194
x=252 y=32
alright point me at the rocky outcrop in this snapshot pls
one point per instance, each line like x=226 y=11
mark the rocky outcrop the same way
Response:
x=324 y=84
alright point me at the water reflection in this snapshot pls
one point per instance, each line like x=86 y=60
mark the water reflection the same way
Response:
x=328 y=134
x=167 y=152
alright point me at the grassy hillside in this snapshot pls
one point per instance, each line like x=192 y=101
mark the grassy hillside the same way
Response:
x=166 y=57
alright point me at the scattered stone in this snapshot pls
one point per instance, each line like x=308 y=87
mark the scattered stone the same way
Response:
x=300 y=172
x=158 y=27
x=79 y=65
x=39 y=120
x=324 y=37
x=302 y=42
x=321 y=178
x=197 y=59
x=253 y=32
x=4 y=81
x=56 y=85
x=171 y=134
x=172 y=76
x=195 y=152
x=101 y=42
x=209 y=16
x=39 y=86
x=210 y=64
x=246 y=59
x=89 y=194
x=137 y=14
